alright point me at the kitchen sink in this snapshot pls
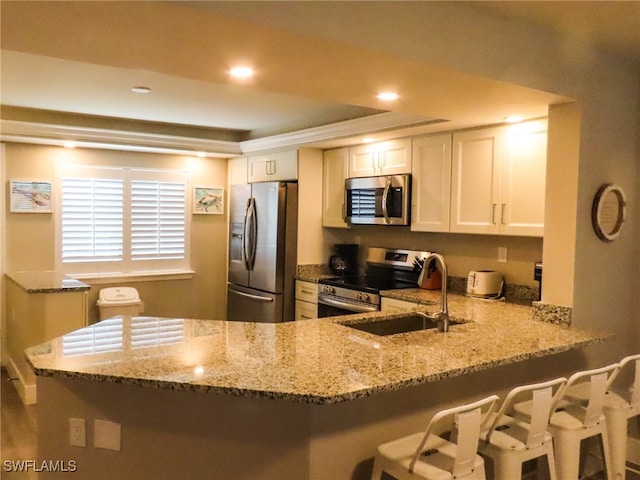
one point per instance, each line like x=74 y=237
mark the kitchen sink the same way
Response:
x=399 y=324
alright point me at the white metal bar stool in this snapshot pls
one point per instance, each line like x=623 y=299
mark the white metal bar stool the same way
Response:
x=574 y=419
x=621 y=403
x=511 y=441
x=430 y=455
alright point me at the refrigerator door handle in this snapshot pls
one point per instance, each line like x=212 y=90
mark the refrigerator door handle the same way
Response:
x=252 y=297
x=250 y=226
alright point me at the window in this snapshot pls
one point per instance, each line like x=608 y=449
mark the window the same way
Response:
x=122 y=220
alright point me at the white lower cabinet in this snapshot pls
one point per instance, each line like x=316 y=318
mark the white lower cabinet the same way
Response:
x=306 y=300
x=393 y=305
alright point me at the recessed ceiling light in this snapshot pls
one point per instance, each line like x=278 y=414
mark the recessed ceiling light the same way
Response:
x=367 y=140
x=201 y=154
x=241 y=72
x=140 y=89
x=513 y=119
x=69 y=144
x=388 y=96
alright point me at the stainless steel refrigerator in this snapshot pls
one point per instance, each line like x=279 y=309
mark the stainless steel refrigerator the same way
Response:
x=263 y=228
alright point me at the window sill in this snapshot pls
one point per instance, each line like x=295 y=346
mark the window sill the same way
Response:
x=99 y=278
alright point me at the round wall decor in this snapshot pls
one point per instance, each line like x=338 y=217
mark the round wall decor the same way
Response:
x=608 y=211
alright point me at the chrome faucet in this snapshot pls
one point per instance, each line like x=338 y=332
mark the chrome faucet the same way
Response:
x=441 y=317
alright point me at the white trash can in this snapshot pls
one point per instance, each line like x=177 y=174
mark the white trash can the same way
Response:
x=115 y=301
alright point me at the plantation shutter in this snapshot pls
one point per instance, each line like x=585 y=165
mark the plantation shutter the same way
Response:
x=92 y=215
x=122 y=220
x=157 y=217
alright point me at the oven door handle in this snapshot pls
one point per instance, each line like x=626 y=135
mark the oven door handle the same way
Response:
x=352 y=307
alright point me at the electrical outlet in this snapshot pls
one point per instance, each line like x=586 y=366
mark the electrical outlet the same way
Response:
x=107 y=435
x=502 y=254
x=77 y=432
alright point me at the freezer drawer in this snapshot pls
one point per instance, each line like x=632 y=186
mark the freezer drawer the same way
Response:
x=249 y=305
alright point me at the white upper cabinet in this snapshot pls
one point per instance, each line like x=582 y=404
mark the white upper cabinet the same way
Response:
x=498 y=180
x=335 y=169
x=237 y=170
x=273 y=166
x=383 y=158
x=523 y=179
x=431 y=183
x=475 y=180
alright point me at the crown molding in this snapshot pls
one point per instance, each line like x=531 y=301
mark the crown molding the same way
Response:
x=49 y=134
x=52 y=134
x=349 y=128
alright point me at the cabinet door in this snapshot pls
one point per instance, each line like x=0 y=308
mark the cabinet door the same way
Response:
x=475 y=181
x=258 y=168
x=523 y=179
x=394 y=157
x=335 y=169
x=431 y=183
x=283 y=165
x=237 y=171
x=393 y=305
x=362 y=161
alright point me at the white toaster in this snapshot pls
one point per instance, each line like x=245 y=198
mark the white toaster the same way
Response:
x=484 y=284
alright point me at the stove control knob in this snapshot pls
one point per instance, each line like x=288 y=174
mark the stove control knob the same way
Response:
x=365 y=297
x=329 y=290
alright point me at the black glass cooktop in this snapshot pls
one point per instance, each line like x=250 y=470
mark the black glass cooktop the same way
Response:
x=370 y=284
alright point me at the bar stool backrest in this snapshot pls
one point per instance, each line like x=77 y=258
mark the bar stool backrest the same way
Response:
x=543 y=396
x=599 y=379
x=628 y=366
x=466 y=420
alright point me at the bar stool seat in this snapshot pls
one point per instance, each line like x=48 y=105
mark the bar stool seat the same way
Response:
x=434 y=455
x=511 y=441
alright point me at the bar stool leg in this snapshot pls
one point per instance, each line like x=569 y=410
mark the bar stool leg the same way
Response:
x=617 y=432
x=550 y=466
x=567 y=456
x=507 y=467
x=607 y=455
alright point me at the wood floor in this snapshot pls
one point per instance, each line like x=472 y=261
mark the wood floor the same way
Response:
x=18 y=434
x=18 y=431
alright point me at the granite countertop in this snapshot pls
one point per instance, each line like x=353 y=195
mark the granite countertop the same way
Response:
x=312 y=361
x=46 y=282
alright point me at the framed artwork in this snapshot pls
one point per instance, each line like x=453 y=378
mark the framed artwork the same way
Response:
x=208 y=200
x=29 y=196
x=608 y=212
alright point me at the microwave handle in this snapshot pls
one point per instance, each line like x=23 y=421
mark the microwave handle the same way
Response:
x=385 y=197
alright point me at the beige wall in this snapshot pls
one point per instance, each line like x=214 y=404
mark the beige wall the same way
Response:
x=30 y=237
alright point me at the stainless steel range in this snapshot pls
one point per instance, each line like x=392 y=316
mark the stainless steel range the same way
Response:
x=386 y=269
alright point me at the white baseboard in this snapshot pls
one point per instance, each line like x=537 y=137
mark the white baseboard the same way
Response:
x=26 y=392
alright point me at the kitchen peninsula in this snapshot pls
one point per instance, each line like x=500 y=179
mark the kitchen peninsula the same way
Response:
x=309 y=399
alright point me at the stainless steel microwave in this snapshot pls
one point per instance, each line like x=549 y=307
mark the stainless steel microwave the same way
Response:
x=383 y=200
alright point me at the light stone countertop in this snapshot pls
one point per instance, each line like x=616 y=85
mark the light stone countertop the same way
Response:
x=46 y=282
x=312 y=361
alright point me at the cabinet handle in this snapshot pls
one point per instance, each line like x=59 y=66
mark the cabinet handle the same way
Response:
x=504 y=205
x=306 y=291
x=493 y=213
